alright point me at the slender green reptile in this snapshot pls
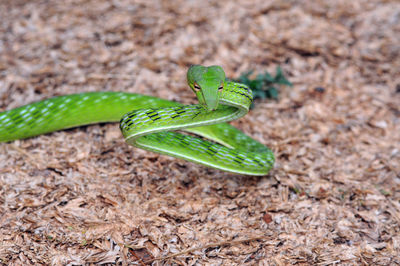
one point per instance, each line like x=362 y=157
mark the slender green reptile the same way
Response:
x=152 y=123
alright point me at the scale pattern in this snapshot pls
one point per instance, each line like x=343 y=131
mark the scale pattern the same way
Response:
x=146 y=128
x=150 y=124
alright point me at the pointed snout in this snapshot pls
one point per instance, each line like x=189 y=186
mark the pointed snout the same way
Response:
x=211 y=99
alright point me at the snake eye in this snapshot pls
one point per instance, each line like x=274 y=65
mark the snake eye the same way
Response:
x=197 y=87
x=220 y=87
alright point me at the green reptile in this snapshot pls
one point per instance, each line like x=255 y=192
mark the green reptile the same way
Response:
x=153 y=123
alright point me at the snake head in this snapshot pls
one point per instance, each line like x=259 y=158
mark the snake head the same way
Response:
x=206 y=82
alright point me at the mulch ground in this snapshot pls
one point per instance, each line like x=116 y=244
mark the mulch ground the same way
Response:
x=84 y=196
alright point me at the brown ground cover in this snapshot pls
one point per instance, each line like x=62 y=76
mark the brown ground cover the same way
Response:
x=83 y=196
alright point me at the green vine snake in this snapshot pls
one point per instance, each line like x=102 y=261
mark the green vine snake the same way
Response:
x=153 y=123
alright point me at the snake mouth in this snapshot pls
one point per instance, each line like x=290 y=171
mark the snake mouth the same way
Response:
x=209 y=110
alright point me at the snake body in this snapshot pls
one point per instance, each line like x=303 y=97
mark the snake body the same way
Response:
x=153 y=122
